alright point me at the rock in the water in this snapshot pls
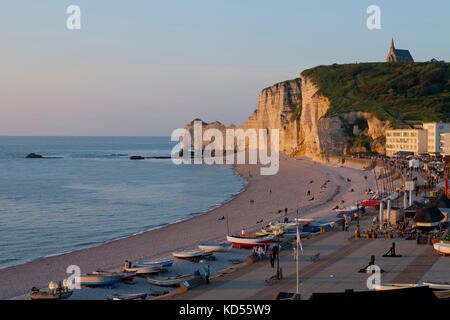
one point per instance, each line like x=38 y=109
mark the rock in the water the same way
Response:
x=34 y=156
x=136 y=158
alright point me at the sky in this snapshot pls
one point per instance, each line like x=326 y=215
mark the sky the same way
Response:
x=145 y=68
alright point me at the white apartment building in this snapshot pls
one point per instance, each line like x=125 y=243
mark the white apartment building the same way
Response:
x=406 y=140
x=435 y=131
x=445 y=144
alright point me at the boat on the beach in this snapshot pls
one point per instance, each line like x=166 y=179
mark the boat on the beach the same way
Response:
x=143 y=270
x=188 y=254
x=131 y=296
x=159 y=263
x=58 y=294
x=169 y=281
x=293 y=234
x=370 y=203
x=287 y=225
x=245 y=241
x=395 y=286
x=91 y=279
x=219 y=247
x=442 y=247
x=125 y=276
x=436 y=285
x=351 y=209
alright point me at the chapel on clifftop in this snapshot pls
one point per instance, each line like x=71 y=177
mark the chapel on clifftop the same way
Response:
x=398 y=55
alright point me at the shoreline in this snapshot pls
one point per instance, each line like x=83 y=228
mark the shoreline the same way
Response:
x=288 y=185
x=188 y=217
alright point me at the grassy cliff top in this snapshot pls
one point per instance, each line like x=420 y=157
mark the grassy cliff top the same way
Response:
x=399 y=92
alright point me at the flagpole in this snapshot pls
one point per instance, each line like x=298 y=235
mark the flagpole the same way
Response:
x=297 y=249
x=297 y=257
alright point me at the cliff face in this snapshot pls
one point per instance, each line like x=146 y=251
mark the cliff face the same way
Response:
x=276 y=105
x=330 y=136
x=297 y=109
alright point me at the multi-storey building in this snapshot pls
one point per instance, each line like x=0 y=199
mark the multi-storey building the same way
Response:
x=406 y=140
x=435 y=131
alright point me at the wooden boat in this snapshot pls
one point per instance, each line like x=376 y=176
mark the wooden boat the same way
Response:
x=188 y=254
x=220 y=247
x=126 y=276
x=132 y=296
x=159 y=263
x=91 y=279
x=143 y=270
x=442 y=247
x=169 y=281
x=436 y=285
x=395 y=286
x=244 y=241
x=59 y=294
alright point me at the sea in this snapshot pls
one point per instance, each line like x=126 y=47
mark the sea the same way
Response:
x=90 y=192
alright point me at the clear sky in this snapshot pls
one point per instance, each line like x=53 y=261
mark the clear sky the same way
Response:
x=146 y=67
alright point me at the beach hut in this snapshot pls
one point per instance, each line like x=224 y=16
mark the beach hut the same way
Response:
x=428 y=217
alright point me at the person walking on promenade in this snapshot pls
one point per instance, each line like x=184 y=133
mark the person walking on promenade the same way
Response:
x=207 y=272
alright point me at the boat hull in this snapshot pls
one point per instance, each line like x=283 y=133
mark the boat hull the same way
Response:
x=188 y=254
x=98 y=280
x=441 y=247
x=161 y=263
x=215 y=247
x=249 y=241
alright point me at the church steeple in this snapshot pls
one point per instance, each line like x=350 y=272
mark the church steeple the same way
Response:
x=398 y=55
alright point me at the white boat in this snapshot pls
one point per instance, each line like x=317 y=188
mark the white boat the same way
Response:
x=91 y=279
x=220 y=247
x=125 y=276
x=395 y=286
x=287 y=225
x=246 y=241
x=188 y=254
x=159 y=263
x=442 y=247
x=169 y=281
x=143 y=270
x=436 y=285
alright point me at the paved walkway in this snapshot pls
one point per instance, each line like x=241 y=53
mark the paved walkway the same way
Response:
x=337 y=270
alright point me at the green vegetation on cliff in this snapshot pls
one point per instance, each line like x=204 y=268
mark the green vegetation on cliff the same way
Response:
x=399 y=92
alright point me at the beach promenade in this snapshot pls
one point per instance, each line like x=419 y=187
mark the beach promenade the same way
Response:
x=341 y=256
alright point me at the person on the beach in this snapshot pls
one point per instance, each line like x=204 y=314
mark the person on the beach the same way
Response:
x=285 y=211
x=272 y=257
x=346 y=223
x=308 y=193
x=207 y=272
x=197 y=272
x=243 y=231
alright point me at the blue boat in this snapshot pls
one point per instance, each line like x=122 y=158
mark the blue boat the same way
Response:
x=160 y=263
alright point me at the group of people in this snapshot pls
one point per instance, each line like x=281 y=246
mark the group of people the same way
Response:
x=206 y=273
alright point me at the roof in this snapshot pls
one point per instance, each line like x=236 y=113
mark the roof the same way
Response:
x=442 y=202
x=428 y=215
x=403 y=53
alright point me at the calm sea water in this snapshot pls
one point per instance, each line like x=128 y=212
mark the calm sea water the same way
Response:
x=90 y=196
